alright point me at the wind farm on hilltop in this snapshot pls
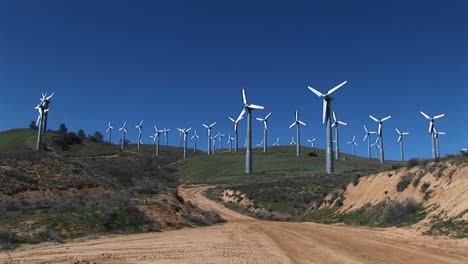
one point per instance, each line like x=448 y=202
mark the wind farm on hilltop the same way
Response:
x=234 y=132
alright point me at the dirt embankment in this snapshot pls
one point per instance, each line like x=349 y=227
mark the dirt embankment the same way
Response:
x=248 y=240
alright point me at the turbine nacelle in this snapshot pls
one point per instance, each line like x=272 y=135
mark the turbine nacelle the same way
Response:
x=326 y=98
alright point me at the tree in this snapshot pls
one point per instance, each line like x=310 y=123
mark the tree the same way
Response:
x=81 y=134
x=62 y=129
x=32 y=125
x=97 y=137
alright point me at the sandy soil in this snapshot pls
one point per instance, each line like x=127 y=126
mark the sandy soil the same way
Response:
x=247 y=240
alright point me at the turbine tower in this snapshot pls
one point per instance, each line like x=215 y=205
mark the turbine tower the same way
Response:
x=311 y=141
x=155 y=138
x=40 y=121
x=166 y=136
x=220 y=138
x=354 y=145
x=265 y=130
x=124 y=131
x=180 y=138
x=277 y=142
x=431 y=131
x=184 y=131
x=139 y=127
x=195 y=137
x=326 y=118
x=436 y=136
x=400 y=139
x=368 y=134
x=236 y=123
x=213 y=149
x=248 y=108
x=209 y=135
x=376 y=145
x=45 y=101
x=297 y=123
x=230 y=139
x=335 y=124
x=380 y=133
x=109 y=130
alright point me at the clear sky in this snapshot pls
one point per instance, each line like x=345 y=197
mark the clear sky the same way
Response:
x=183 y=63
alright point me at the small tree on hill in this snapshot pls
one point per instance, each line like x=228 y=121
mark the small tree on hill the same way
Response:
x=97 y=137
x=32 y=125
x=81 y=134
x=62 y=129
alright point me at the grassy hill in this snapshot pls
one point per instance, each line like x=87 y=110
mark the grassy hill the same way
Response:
x=280 y=181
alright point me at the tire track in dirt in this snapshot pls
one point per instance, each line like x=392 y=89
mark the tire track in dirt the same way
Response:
x=247 y=240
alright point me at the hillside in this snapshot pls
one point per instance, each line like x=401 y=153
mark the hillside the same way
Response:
x=76 y=189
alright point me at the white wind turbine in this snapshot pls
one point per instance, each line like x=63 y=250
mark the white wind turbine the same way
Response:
x=245 y=142
x=195 y=137
x=431 y=131
x=311 y=141
x=248 y=108
x=354 y=145
x=326 y=118
x=336 y=124
x=209 y=136
x=40 y=121
x=124 y=131
x=213 y=139
x=45 y=102
x=292 y=141
x=260 y=144
x=400 y=139
x=297 y=123
x=377 y=147
x=436 y=136
x=230 y=139
x=156 y=137
x=380 y=133
x=265 y=130
x=166 y=136
x=220 y=138
x=464 y=150
x=277 y=142
x=236 y=123
x=184 y=131
x=367 y=136
x=109 y=130
x=140 y=128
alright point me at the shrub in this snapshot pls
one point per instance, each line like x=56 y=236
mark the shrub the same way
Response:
x=411 y=163
x=312 y=154
x=6 y=239
x=425 y=186
x=405 y=182
x=396 y=214
x=356 y=179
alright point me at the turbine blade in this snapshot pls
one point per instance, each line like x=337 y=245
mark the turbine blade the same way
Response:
x=399 y=138
x=334 y=116
x=373 y=118
x=380 y=129
x=342 y=123
x=266 y=117
x=365 y=137
x=265 y=124
x=255 y=106
x=325 y=104
x=213 y=124
x=431 y=127
x=259 y=119
x=439 y=116
x=205 y=125
x=302 y=123
x=292 y=124
x=386 y=118
x=244 y=98
x=319 y=94
x=398 y=131
x=336 y=87
x=365 y=128
x=425 y=115
x=241 y=115
x=296 y=116
x=230 y=118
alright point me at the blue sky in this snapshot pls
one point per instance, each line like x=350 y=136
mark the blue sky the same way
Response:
x=183 y=63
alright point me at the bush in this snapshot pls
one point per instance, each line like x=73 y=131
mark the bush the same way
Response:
x=411 y=163
x=396 y=214
x=425 y=186
x=312 y=154
x=6 y=239
x=405 y=182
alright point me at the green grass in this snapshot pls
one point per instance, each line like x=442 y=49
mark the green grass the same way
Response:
x=17 y=139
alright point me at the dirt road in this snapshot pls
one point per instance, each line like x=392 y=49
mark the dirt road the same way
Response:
x=247 y=240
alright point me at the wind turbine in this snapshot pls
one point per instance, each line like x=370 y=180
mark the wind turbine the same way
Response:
x=213 y=139
x=195 y=137
x=311 y=141
x=436 y=136
x=260 y=144
x=248 y=108
x=236 y=123
x=380 y=133
x=220 y=138
x=139 y=127
x=292 y=141
x=297 y=123
x=368 y=134
x=464 y=150
x=45 y=101
x=326 y=118
x=400 y=139
x=376 y=145
x=184 y=131
x=245 y=142
x=109 y=130
x=335 y=124
x=180 y=139
x=431 y=131
x=124 y=131
x=230 y=139
x=166 y=135
x=265 y=129
x=156 y=137
x=277 y=142
x=209 y=135
x=354 y=145
x=40 y=120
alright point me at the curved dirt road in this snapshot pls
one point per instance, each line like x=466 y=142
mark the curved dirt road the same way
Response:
x=247 y=240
